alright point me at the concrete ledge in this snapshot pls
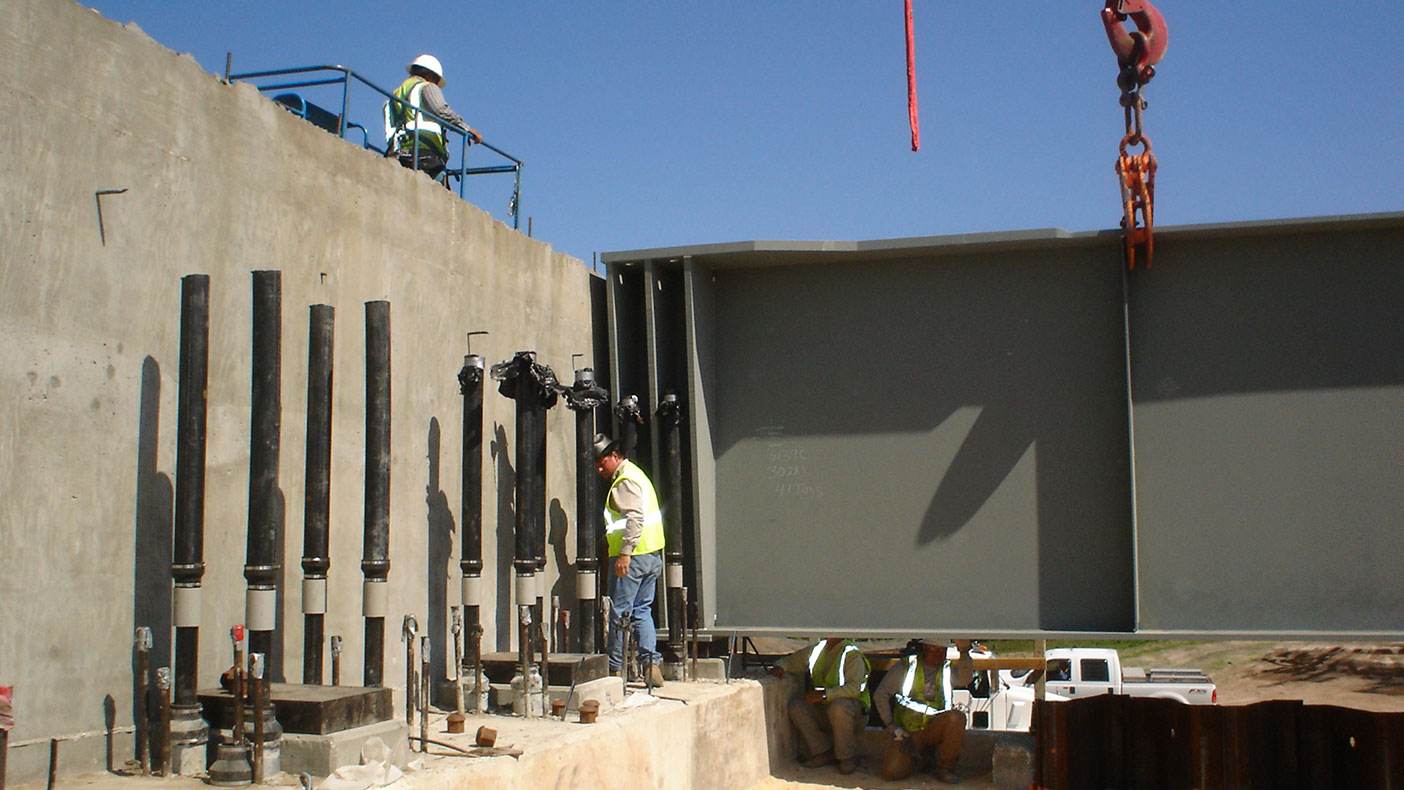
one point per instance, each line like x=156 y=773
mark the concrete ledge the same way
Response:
x=707 y=669
x=319 y=755
x=690 y=735
x=609 y=691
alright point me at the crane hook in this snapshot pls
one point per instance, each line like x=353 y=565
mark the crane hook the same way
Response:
x=1142 y=49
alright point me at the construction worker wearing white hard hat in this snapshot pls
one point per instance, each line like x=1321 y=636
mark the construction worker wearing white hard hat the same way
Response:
x=409 y=131
x=430 y=64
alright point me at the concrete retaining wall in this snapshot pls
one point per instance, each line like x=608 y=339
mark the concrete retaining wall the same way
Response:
x=716 y=741
x=219 y=180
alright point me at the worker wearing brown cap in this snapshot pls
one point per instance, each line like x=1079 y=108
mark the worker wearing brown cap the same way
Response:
x=634 y=533
x=835 y=704
x=404 y=123
x=914 y=702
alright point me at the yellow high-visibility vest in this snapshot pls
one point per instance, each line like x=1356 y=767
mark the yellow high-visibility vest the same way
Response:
x=652 y=538
x=833 y=676
x=400 y=121
x=913 y=711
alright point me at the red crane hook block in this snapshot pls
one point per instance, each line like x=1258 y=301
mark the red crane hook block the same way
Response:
x=1145 y=47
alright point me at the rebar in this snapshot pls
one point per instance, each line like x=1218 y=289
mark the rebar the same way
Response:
x=257 y=686
x=143 y=645
x=457 y=630
x=336 y=659
x=425 y=680
x=163 y=683
x=409 y=629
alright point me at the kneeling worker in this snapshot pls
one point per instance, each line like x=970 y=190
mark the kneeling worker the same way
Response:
x=835 y=704
x=914 y=703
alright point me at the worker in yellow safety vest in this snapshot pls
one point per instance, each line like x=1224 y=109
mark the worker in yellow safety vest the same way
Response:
x=835 y=705
x=634 y=535
x=406 y=124
x=914 y=703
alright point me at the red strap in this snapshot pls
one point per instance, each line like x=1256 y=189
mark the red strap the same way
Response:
x=911 y=81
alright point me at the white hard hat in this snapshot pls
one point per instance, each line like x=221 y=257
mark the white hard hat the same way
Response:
x=429 y=62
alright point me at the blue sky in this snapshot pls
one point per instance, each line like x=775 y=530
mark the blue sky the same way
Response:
x=650 y=124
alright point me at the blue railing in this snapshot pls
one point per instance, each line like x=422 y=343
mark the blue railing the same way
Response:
x=337 y=123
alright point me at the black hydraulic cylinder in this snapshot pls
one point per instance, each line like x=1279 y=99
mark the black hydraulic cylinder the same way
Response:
x=375 y=557
x=316 y=557
x=530 y=516
x=670 y=417
x=583 y=397
x=470 y=384
x=261 y=567
x=630 y=418
x=534 y=389
x=187 y=556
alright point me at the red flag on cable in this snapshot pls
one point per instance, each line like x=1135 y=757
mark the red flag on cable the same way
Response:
x=911 y=82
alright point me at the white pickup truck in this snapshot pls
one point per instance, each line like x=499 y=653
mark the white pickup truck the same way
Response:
x=991 y=702
x=1076 y=672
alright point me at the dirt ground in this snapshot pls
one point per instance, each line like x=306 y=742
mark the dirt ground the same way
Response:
x=1367 y=676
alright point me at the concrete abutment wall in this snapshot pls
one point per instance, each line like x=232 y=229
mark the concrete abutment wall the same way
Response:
x=212 y=178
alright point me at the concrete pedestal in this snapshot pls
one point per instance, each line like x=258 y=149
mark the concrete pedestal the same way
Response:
x=1013 y=761
x=312 y=709
x=190 y=741
x=707 y=669
x=563 y=668
x=608 y=690
x=320 y=755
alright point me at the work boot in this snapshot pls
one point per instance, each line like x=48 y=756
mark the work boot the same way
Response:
x=654 y=676
x=819 y=760
x=847 y=767
x=946 y=775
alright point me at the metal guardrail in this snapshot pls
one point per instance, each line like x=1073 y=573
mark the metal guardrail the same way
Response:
x=337 y=123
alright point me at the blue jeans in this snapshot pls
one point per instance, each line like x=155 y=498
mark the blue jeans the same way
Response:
x=631 y=603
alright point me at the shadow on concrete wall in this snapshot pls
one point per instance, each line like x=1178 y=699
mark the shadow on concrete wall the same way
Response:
x=280 y=551
x=151 y=560
x=558 y=529
x=505 y=479
x=440 y=549
x=1047 y=374
x=109 y=726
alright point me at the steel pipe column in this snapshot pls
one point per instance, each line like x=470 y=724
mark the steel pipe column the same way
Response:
x=316 y=558
x=190 y=733
x=533 y=387
x=470 y=384
x=670 y=417
x=375 y=557
x=261 y=567
x=583 y=397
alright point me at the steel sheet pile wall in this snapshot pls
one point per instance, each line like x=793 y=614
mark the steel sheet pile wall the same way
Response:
x=1007 y=434
x=1118 y=741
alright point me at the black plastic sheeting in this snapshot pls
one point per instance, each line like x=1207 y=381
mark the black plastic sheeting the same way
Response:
x=584 y=398
x=522 y=370
x=1117 y=741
